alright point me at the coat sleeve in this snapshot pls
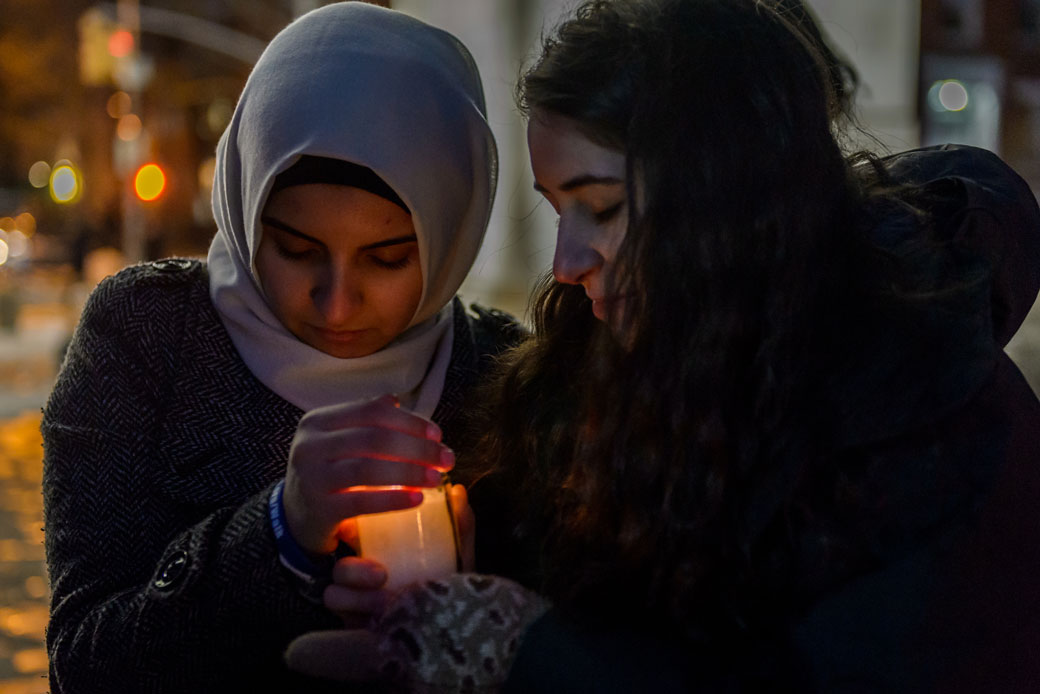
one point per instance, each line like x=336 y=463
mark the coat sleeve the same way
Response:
x=148 y=595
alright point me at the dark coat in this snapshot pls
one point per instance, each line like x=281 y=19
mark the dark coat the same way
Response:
x=931 y=581
x=945 y=441
x=161 y=448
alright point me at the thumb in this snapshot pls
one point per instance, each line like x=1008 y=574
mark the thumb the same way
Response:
x=344 y=655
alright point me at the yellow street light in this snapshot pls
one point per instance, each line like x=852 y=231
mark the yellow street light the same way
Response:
x=149 y=182
x=65 y=185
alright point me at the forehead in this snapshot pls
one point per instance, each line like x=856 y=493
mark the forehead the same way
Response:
x=561 y=152
x=328 y=210
x=325 y=203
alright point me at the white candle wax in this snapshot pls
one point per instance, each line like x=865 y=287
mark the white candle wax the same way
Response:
x=415 y=544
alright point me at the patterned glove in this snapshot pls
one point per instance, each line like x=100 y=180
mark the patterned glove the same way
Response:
x=458 y=634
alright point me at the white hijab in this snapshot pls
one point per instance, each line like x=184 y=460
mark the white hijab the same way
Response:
x=382 y=89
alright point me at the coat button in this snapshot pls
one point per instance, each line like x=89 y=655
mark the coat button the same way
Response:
x=172 y=264
x=173 y=571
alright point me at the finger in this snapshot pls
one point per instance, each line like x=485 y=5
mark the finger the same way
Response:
x=314 y=515
x=465 y=524
x=355 y=620
x=359 y=573
x=346 y=475
x=341 y=655
x=459 y=498
x=350 y=602
x=348 y=532
x=358 y=502
x=382 y=412
x=385 y=444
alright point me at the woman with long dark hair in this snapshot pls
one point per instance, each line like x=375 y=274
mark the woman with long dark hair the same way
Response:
x=765 y=436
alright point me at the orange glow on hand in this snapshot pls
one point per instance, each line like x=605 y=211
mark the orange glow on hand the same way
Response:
x=381 y=488
x=347 y=531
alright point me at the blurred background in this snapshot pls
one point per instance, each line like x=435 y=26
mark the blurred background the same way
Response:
x=110 y=114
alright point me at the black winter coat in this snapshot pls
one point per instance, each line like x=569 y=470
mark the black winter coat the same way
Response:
x=161 y=448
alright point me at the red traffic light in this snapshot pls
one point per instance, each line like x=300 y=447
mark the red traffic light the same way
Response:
x=120 y=43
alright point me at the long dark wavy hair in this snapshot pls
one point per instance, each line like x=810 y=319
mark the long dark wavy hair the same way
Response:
x=669 y=466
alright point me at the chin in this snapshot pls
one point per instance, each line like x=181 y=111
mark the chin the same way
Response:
x=348 y=351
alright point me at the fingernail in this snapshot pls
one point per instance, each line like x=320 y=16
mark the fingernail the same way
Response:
x=415 y=498
x=433 y=477
x=433 y=432
x=447 y=457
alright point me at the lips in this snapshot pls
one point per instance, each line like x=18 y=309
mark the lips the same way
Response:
x=604 y=306
x=339 y=336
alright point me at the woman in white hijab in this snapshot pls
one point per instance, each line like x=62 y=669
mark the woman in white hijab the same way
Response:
x=209 y=416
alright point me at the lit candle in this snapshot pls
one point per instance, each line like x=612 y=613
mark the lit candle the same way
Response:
x=415 y=544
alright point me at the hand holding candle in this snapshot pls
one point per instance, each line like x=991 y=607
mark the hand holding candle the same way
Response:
x=357 y=591
x=358 y=458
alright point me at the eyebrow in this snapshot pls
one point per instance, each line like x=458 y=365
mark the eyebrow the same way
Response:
x=583 y=180
x=278 y=224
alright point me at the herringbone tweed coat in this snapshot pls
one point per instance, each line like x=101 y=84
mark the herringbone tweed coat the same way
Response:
x=160 y=450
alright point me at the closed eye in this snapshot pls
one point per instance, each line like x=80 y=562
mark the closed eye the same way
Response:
x=392 y=264
x=604 y=216
x=296 y=254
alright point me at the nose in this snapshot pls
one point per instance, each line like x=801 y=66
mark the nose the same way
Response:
x=575 y=259
x=337 y=296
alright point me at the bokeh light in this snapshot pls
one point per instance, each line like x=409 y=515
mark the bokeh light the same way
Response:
x=218 y=115
x=36 y=587
x=953 y=95
x=39 y=174
x=17 y=244
x=206 y=171
x=120 y=43
x=149 y=182
x=119 y=104
x=129 y=127
x=948 y=95
x=101 y=263
x=26 y=224
x=29 y=660
x=5 y=252
x=7 y=224
x=64 y=183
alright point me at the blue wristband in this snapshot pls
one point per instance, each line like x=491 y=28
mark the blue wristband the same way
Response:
x=291 y=554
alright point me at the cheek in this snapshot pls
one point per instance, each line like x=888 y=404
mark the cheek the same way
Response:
x=280 y=299
x=412 y=292
x=268 y=267
x=399 y=296
x=614 y=234
x=281 y=286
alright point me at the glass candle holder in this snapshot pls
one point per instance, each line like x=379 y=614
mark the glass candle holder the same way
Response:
x=415 y=544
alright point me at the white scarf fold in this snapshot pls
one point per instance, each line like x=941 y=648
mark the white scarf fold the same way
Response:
x=375 y=87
